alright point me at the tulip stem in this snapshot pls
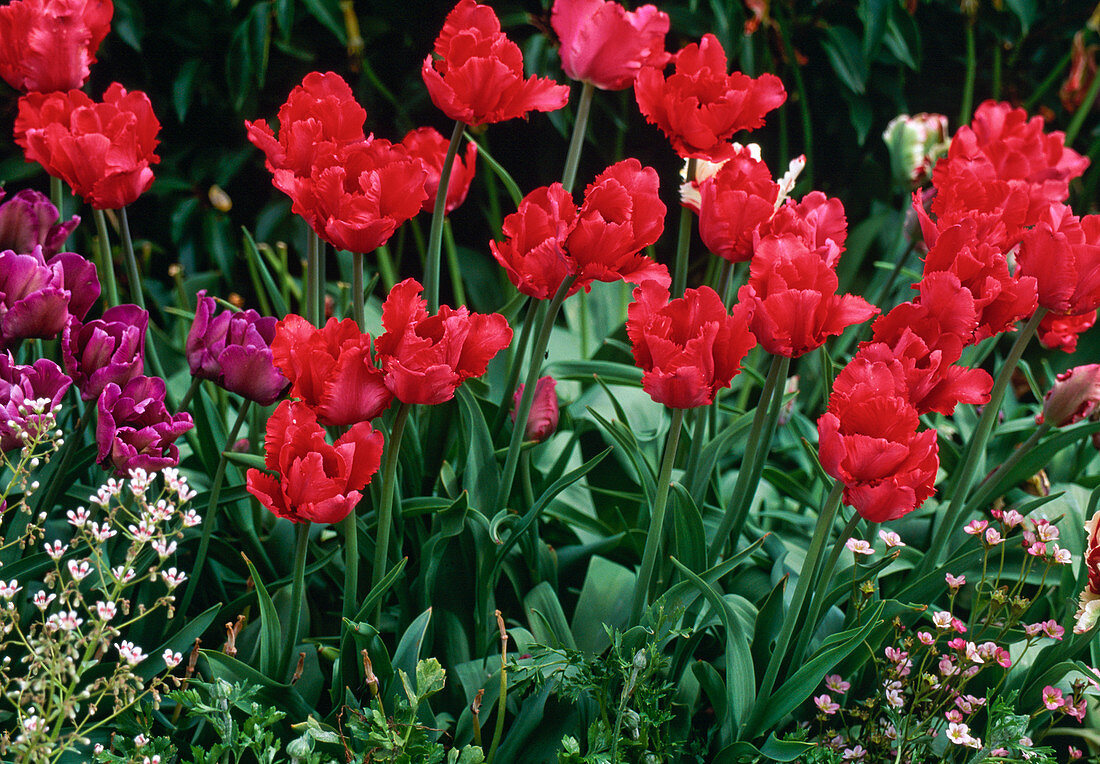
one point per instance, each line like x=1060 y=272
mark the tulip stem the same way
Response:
x=452 y=263
x=523 y=411
x=752 y=463
x=821 y=534
x=385 y=511
x=322 y=250
x=656 y=520
x=136 y=291
x=297 y=594
x=435 y=235
x=683 y=241
x=516 y=364
x=106 y=262
x=965 y=111
x=57 y=196
x=975 y=447
x=576 y=141
x=212 y=507
x=312 y=247
x=191 y=390
x=358 y=311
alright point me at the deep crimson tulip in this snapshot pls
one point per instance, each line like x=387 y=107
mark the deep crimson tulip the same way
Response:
x=791 y=298
x=700 y=106
x=543 y=419
x=687 y=348
x=49 y=45
x=425 y=358
x=134 y=428
x=1074 y=396
x=102 y=150
x=330 y=369
x=356 y=198
x=1000 y=298
x=1061 y=332
x=20 y=387
x=30 y=220
x=37 y=296
x=550 y=238
x=233 y=350
x=110 y=349
x=475 y=73
x=607 y=45
x=733 y=204
x=818 y=220
x=313 y=481
x=1062 y=252
x=430 y=147
x=868 y=441
x=320 y=116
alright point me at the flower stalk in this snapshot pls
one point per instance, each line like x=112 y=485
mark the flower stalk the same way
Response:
x=435 y=234
x=385 y=510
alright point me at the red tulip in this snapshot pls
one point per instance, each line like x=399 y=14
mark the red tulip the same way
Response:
x=605 y=44
x=358 y=196
x=817 y=220
x=791 y=298
x=543 y=419
x=425 y=358
x=1061 y=332
x=314 y=481
x=330 y=369
x=50 y=45
x=427 y=145
x=102 y=150
x=1062 y=252
x=869 y=442
x=734 y=203
x=549 y=238
x=475 y=74
x=320 y=116
x=687 y=348
x=700 y=106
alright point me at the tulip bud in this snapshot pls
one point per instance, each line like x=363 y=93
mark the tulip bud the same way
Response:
x=1073 y=397
x=543 y=419
x=915 y=142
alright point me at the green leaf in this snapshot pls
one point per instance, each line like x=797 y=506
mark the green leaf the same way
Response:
x=282 y=696
x=407 y=654
x=773 y=750
x=546 y=619
x=184 y=86
x=708 y=457
x=846 y=57
x=328 y=13
x=689 y=537
x=270 y=628
x=612 y=372
x=248 y=460
x=801 y=685
x=481 y=474
x=509 y=184
x=740 y=672
x=875 y=14
x=604 y=601
x=274 y=294
x=182 y=641
x=1024 y=10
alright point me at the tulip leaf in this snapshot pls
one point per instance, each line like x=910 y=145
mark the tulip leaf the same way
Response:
x=611 y=372
x=604 y=602
x=274 y=294
x=248 y=460
x=846 y=57
x=277 y=694
x=407 y=654
x=480 y=474
x=546 y=618
x=180 y=642
x=689 y=537
x=270 y=628
x=772 y=750
x=509 y=184
x=708 y=457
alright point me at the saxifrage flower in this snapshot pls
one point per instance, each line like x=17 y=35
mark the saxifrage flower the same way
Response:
x=475 y=73
x=233 y=350
x=103 y=150
x=314 y=481
x=607 y=45
x=50 y=45
x=20 y=387
x=425 y=358
x=688 y=348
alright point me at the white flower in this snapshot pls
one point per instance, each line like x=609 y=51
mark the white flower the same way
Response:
x=79 y=570
x=958 y=733
x=1061 y=556
x=144 y=530
x=9 y=589
x=42 y=601
x=993 y=537
x=162 y=511
x=65 y=621
x=103 y=532
x=55 y=550
x=191 y=518
x=891 y=539
x=77 y=517
x=130 y=653
x=163 y=548
x=171 y=659
x=121 y=575
x=105 y=610
x=173 y=578
x=942 y=619
x=859 y=546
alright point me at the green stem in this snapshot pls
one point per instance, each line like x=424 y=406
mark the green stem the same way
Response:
x=981 y=496
x=576 y=141
x=297 y=594
x=656 y=521
x=358 y=311
x=502 y=699
x=73 y=441
x=137 y=292
x=385 y=510
x=976 y=445
x=998 y=55
x=971 y=73
x=523 y=411
x=212 y=508
x=821 y=591
x=191 y=390
x=756 y=451
x=322 y=250
x=683 y=242
x=515 y=366
x=435 y=236
x=386 y=267
x=453 y=266
x=813 y=554
x=1055 y=77
x=1083 y=112
x=350 y=526
x=106 y=261
x=57 y=196
x=312 y=246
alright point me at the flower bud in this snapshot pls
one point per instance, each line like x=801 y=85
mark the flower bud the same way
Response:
x=1073 y=397
x=915 y=142
x=543 y=419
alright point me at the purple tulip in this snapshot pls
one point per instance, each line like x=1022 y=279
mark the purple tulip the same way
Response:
x=233 y=350
x=38 y=296
x=135 y=428
x=108 y=349
x=21 y=385
x=28 y=220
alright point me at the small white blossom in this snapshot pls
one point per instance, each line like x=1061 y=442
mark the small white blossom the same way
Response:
x=173 y=578
x=859 y=546
x=891 y=539
x=9 y=589
x=55 y=550
x=191 y=518
x=42 y=600
x=171 y=659
x=106 y=610
x=79 y=570
x=121 y=575
x=130 y=653
x=164 y=548
x=101 y=532
x=77 y=517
